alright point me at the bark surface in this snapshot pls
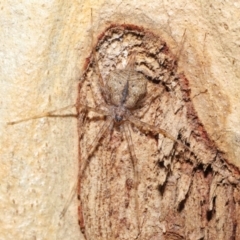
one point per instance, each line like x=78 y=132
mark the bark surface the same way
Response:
x=182 y=194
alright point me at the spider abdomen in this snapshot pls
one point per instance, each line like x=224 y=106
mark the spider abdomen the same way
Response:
x=126 y=87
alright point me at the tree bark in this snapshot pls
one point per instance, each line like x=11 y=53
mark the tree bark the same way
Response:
x=188 y=194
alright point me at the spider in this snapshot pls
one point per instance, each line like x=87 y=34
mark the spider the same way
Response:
x=115 y=90
x=119 y=98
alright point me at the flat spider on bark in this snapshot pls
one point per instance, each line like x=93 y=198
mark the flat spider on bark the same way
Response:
x=115 y=99
x=124 y=93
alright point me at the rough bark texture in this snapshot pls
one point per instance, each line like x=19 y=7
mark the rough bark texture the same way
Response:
x=184 y=195
x=181 y=190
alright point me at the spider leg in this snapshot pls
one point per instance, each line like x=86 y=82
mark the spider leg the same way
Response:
x=155 y=130
x=51 y=114
x=91 y=149
x=47 y=114
x=134 y=160
x=100 y=83
x=94 y=59
x=86 y=160
x=131 y=60
x=108 y=124
x=96 y=110
x=147 y=101
x=94 y=144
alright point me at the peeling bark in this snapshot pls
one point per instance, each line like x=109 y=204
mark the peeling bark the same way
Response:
x=184 y=190
x=182 y=194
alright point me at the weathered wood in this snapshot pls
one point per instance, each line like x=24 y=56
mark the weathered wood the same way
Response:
x=43 y=48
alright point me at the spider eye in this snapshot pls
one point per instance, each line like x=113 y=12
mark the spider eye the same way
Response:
x=118 y=118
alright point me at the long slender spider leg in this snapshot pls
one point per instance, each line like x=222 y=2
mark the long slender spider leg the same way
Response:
x=105 y=187
x=100 y=83
x=52 y=115
x=69 y=200
x=86 y=161
x=131 y=60
x=147 y=102
x=134 y=159
x=73 y=192
x=94 y=144
x=155 y=130
x=47 y=114
x=96 y=110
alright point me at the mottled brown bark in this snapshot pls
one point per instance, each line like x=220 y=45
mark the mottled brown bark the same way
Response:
x=186 y=186
x=42 y=53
